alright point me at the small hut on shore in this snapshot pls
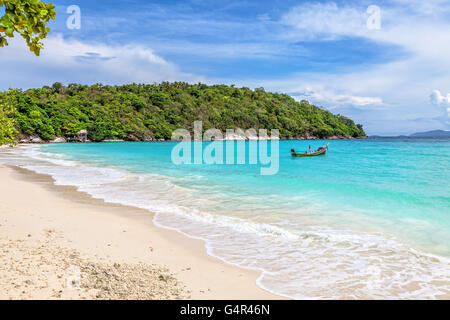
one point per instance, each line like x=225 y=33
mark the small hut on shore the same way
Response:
x=82 y=135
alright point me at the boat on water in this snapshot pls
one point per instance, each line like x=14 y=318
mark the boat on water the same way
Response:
x=319 y=152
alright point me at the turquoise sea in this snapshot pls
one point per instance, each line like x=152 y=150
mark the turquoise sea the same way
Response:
x=371 y=219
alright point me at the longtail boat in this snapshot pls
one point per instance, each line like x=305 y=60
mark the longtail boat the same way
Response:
x=319 y=152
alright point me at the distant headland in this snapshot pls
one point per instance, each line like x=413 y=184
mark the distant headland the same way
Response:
x=432 y=134
x=426 y=134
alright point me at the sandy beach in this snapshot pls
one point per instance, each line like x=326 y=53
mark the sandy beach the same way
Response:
x=58 y=243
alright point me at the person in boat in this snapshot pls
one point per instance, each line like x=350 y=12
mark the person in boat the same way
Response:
x=323 y=148
x=309 y=148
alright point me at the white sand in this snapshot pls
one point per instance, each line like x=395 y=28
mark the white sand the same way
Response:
x=45 y=230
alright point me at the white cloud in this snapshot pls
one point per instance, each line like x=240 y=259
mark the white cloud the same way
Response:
x=335 y=100
x=429 y=7
x=400 y=88
x=325 y=20
x=76 y=61
x=420 y=28
x=437 y=99
x=235 y=50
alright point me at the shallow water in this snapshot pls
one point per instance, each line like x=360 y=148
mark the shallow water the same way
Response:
x=371 y=219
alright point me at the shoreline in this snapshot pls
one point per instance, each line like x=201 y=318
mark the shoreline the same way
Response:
x=31 y=140
x=114 y=234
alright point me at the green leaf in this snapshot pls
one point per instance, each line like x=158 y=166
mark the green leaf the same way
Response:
x=28 y=18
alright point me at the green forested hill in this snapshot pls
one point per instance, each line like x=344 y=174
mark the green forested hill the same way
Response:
x=144 y=112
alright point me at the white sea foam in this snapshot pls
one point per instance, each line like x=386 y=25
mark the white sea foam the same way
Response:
x=298 y=259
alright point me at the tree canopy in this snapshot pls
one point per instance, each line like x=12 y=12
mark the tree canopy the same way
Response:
x=7 y=123
x=28 y=18
x=139 y=112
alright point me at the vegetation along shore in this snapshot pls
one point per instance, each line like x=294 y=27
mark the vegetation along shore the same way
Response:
x=140 y=112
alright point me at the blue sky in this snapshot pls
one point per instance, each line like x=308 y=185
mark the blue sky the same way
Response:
x=393 y=80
